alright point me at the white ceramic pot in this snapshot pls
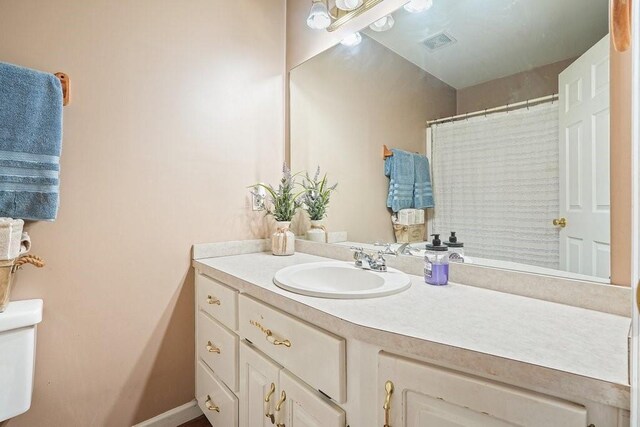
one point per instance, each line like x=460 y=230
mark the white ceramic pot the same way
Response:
x=317 y=232
x=283 y=241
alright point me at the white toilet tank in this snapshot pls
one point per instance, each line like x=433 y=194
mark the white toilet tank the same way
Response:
x=17 y=356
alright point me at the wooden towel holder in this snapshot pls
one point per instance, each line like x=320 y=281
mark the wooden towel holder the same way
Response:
x=66 y=87
x=621 y=24
x=386 y=152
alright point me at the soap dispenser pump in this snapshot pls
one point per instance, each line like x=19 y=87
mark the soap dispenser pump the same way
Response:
x=436 y=262
x=456 y=249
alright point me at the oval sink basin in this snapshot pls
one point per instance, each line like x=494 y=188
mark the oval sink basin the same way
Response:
x=336 y=279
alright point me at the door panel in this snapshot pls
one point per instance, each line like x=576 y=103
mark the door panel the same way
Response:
x=257 y=374
x=426 y=396
x=426 y=411
x=584 y=163
x=305 y=407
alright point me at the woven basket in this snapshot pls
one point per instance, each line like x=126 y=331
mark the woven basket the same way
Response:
x=409 y=233
x=7 y=269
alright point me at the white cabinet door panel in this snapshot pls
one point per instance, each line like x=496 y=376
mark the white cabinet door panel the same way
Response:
x=305 y=407
x=258 y=374
x=426 y=396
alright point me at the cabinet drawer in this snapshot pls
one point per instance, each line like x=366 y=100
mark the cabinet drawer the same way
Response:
x=218 y=348
x=220 y=301
x=317 y=357
x=217 y=402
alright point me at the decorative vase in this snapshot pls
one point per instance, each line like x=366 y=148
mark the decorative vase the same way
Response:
x=283 y=241
x=317 y=232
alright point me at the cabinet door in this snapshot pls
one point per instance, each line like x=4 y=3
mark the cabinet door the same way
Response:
x=425 y=396
x=305 y=407
x=258 y=387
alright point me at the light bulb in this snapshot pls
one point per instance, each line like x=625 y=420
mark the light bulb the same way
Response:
x=352 y=39
x=319 y=18
x=348 y=4
x=417 y=6
x=383 y=24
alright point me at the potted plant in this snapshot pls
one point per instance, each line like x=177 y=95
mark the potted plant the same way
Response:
x=282 y=204
x=315 y=198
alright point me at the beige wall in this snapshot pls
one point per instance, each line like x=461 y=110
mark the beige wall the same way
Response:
x=541 y=81
x=175 y=108
x=345 y=104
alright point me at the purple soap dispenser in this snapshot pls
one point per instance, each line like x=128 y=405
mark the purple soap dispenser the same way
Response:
x=436 y=262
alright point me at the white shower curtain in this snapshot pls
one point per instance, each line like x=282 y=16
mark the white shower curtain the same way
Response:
x=495 y=184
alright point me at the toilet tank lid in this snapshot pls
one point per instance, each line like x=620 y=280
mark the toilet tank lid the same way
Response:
x=20 y=314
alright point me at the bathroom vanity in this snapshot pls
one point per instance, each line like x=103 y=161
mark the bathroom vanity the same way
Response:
x=453 y=355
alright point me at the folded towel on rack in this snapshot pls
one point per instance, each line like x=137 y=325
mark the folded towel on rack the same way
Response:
x=30 y=143
x=422 y=191
x=400 y=170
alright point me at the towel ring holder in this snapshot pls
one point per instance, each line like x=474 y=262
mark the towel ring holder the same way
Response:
x=66 y=87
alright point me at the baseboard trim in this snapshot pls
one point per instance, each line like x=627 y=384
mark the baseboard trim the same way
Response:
x=174 y=417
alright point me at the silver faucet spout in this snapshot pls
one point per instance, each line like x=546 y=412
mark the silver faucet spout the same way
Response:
x=367 y=262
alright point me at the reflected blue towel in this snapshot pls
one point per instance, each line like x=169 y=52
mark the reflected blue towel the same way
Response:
x=422 y=191
x=30 y=143
x=400 y=170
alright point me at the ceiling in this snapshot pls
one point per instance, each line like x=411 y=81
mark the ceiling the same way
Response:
x=495 y=38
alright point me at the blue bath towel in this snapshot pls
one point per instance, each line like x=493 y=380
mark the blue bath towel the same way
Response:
x=30 y=143
x=422 y=191
x=400 y=170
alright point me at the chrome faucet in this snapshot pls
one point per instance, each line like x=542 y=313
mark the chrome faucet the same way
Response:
x=406 y=249
x=367 y=262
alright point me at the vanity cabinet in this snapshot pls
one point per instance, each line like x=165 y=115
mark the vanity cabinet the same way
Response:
x=413 y=394
x=258 y=366
x=244 y=383
x=269 y=393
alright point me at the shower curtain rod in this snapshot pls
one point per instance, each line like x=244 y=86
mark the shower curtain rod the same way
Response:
x=509 y=107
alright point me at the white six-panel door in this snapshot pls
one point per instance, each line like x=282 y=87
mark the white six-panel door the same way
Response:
x=584 y=163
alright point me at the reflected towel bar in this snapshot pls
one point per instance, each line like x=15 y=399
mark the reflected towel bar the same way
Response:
x=66 y=87
x=386 y=152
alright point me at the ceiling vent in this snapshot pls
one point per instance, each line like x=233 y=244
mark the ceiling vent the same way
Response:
x=438 y=41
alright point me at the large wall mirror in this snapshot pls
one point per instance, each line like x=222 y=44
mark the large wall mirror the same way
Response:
x=508 y=102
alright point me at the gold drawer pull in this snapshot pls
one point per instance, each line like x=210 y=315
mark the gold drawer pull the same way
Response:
x=212 y=300
x=267 y=406
x=210 y=405
x=269 y=335
x=212 y=348
x=275 y=341
x=388 y=386
x=279 y=414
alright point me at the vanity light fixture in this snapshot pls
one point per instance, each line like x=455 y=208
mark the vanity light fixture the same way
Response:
x=318 y=18
x=417 y=6
x=332 y=14
x=349 y=5
x=383 y=24
x=352 y=39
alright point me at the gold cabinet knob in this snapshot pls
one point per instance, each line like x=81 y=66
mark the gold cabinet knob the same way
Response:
x=212 y=348
x=212 y=300
x=560 y=222
x=210 y=405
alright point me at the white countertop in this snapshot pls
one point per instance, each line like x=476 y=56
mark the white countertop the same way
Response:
x=574 y=340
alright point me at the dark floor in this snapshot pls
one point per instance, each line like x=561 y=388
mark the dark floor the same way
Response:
x=201 y=421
